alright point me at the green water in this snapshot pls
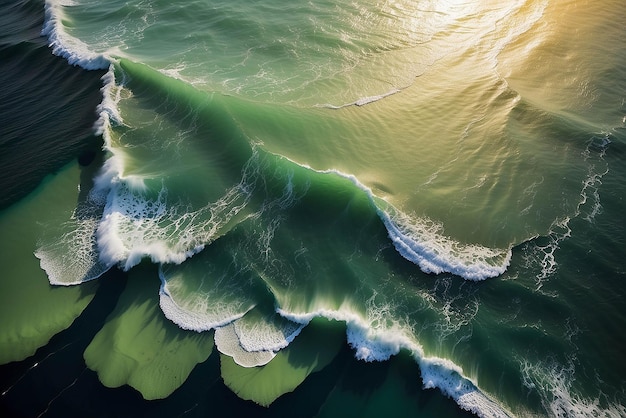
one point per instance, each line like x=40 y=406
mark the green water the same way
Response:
x=314 y=208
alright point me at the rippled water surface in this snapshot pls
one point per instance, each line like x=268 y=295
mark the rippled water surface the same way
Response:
x=398 y=208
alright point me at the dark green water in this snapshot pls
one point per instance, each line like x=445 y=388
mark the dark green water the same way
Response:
x=312 y=209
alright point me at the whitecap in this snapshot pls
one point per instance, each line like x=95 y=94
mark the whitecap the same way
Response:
x=381 y=343
x=73 y=50
x=422 y=241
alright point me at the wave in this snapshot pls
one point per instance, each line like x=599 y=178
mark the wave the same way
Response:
x=134 y=217
x=66 y=46
x=257 y=344
x=422 y=242
x=372 y=344
x=137 y=223
x=418 y=240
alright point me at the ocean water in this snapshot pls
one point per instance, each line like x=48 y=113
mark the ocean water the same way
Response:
x=313 y=208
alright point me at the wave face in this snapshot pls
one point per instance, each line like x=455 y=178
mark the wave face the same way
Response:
x=411 y=171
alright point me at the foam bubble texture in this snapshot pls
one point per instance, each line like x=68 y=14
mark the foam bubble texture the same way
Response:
x=266 y=334
x=433 y=252
x=228 y=343
x=135 y=226
x=73 y=259
x=199 y=314
x=555 y=382
x=448 y=377
x=71 y=256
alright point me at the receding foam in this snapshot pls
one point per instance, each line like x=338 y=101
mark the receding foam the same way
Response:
x=227 y=343
x=68 y=253
x=200 y=318
x=266 y=334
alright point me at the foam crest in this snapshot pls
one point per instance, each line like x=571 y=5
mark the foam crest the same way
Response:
x=376 y=345
x=374 y=342
x=448 y=378
x=73 y=257
x=369 y=344
x=200 y=317
x=203 y=294
x=433 y=252
x=266 y=334
x=66 y=46
x=107 y=109
x=227 y=343
x=423 y=243
x=136 y=225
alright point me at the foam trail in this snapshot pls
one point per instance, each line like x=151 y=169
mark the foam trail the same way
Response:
x=555 y=381
x=363 y=100
x=560 y=229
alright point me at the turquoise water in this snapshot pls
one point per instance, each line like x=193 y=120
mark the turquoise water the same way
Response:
x=314 y=208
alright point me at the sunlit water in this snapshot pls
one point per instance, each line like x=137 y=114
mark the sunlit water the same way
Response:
x=439 y=181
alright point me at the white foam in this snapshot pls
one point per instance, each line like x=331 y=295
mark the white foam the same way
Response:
x=448 y=378
x=199 y=318
x=251 y=340
x=553 y=381
x=73 y=50
x=363 y=100
x=380 y=343
x=227 y=343
x=107 y=110
x=433 y=252
x=589 y=205
x=263 y=334
x=75 y=258
x=72 y=257
x=422 y=242
x=68 y=252
x=369 y=344
x=373 y=338
x=135 y=225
